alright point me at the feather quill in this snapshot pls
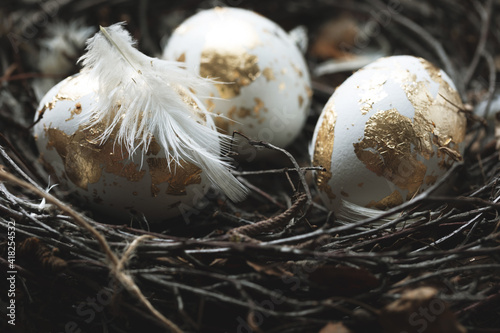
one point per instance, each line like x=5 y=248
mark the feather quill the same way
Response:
x=141 y=97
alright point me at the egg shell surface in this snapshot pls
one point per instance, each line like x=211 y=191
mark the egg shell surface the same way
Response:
x=263 y=86
x=387 y=133
x=108 y=179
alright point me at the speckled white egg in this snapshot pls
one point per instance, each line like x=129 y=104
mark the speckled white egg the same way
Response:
x=263 y=88
x=387 y=133
x=107 y=179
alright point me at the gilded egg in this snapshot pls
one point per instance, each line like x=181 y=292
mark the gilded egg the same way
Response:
x=387 y=134
x=106 y=178
x=262 y=86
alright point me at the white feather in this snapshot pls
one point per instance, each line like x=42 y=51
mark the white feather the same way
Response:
x=350 y=212
x=141 y=97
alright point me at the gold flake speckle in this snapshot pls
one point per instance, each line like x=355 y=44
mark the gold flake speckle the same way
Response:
x=309 y=91
x=268 y=74
x=259 y=105
x=182 y=57
x=297 y=70
x=76 y=111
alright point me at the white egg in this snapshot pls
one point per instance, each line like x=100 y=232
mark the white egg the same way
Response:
x=107 y=179
x=387 y=133
x=263 y=89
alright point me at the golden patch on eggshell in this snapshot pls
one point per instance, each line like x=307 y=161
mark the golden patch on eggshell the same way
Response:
x=85 y=159
x=259 y=105
x=323 y=150
x=301 y=100
x=222 y=123
x=386 y=150
x=230 y=47
x=239 y=112
x=268 y=74
x=231 y=65
x=433 y=115
x=178 y=178
x=309 y=91
x=50 y=105
x=297 y=70
x=76 y=111
x=67 y=92
x=236 y=68
x=182 y=57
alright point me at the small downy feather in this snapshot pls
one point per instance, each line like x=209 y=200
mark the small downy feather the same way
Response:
x=140 y=97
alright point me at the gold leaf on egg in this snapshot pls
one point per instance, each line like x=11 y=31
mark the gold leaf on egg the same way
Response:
x=323 y=149
x=234 y=69
x=309 y=91
x=259 y=105
x=386 y=150
x=297 y=70
x=438 y=121
x=222 y=124
x=430 y=180
x=76 y=111
x=84 y=158
x=154 y=147
x=183 y=175
x=79 y=168
x=268 y=74
x=182 y=57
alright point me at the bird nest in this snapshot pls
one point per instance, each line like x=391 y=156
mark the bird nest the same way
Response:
x=280 y=261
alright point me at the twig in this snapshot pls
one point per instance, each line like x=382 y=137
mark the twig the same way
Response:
x=270 y=171
x=259 y=191
x=290 y=157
